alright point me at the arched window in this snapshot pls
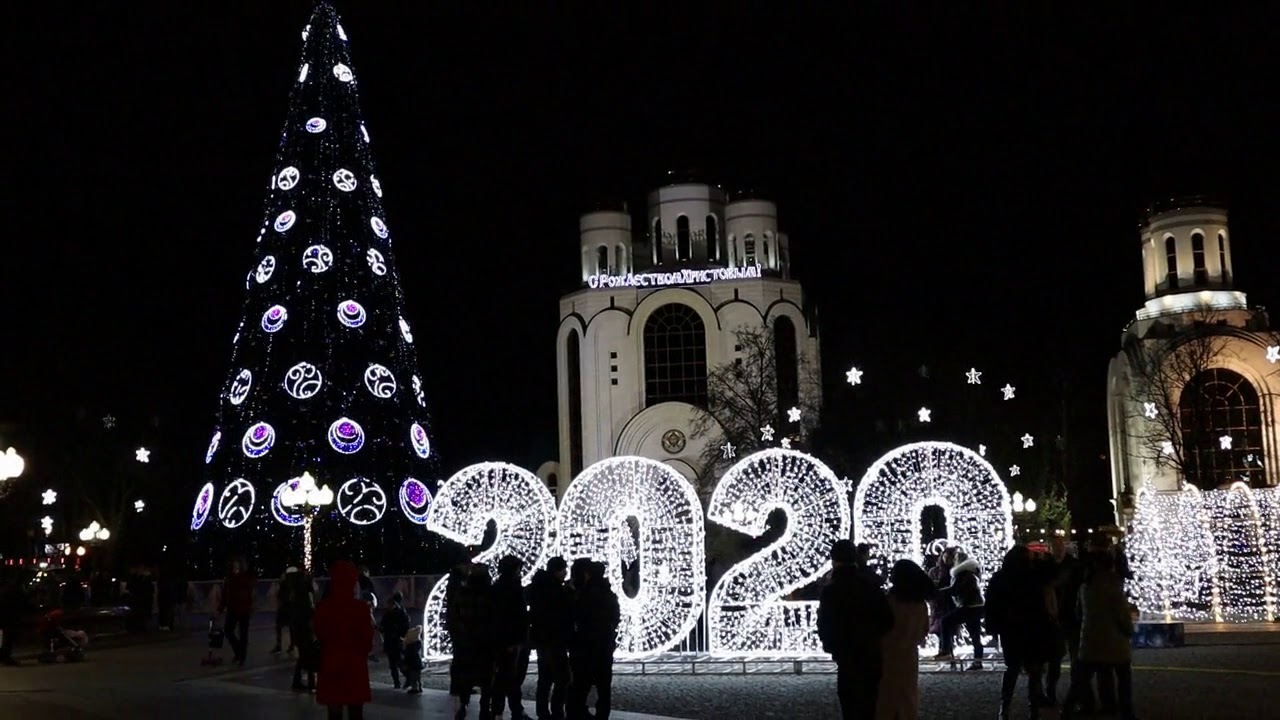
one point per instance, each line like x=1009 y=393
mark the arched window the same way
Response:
x=657 y=241
x=768 y=240
x=1220 y=403
x=713 y=238
x=675 y=356
x=620 y=260
x=573 y=358
x=1171 y=262
x=749 y=250
x=602 y=260
x=784 y=356
x=1197 y=258
x=1222 y=258
x=684 y=250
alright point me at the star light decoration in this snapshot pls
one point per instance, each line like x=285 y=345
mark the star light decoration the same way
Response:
x=1149 y=410
x=1008 y=391
x=521 y=508
x=853 y=376
x=1166 y=447
x=1273 y=354
x=594 y=516
x=727 y=451
x=973 y=498
x=109 y=421
x=1224 y=442
x=1027 y=441
x=982 y=450
x=1014 y=471
x=766 y=433
x=746 y=612
x=139 y=505
x=923 y=414
x=785 y=443
x=46 y=524
x=793 y=415
x=974 y=377
x=142 y=455
x=49 y=497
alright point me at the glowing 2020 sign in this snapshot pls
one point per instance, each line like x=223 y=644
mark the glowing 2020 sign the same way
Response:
x=595 y=516
x=746 y=613
x=522 y=509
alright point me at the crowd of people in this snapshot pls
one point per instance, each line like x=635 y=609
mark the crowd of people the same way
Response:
x=1041 y=608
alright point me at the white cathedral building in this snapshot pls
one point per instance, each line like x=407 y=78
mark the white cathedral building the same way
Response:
x=1226 y=401
x=657 y=311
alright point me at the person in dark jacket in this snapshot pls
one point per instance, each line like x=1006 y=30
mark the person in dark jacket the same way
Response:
x=1017 y=610
x=394 y=626
x=284 y=608
x=469 y=618
x=511 y=636
x=1066 y=574
x=596 y=616
x=550 y=629
x=966 y=595
x=13 y=603
x=237 y=603
x=853 y=616
x=1106 y=629
x=301 y=633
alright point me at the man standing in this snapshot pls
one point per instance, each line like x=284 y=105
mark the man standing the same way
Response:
x=596 y=616
x=511 y=635
x=852 y=618
x=550 y=627
x=237 y=603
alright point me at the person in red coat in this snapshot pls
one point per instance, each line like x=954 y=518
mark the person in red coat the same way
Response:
x=344 y=628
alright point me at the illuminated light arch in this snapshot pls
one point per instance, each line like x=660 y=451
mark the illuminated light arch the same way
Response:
x=1170 y=549
x=594 y=523
x=522 y=509
x=1244 y=586
x=746 y=613
x=906 y=480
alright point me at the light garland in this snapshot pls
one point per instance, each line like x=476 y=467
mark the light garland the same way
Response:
x=902 y=483
x=594 y=516
x=518 y=504
x=1170 y=549
x=746 y=612
x=1244 y=585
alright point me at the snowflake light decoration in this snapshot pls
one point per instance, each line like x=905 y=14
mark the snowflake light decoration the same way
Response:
x=974 y=501
x=746 y=612
x=853 y=376
x=521 y=507
x=974 y=376
x=594 y=515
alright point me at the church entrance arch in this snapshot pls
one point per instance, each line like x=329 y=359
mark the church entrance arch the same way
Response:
x=898 y=488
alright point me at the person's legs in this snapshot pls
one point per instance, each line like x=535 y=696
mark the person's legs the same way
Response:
x=393 y=653
x=973 y=625
x=1124 y=688
x=1013 y=667
x=560 y=683
x=1106 y=689
x=335 y=712
x=868 y=687
x=579 y=688
x=242 y=636
x=355 y=712
x=519 y=671
x=604 y=686
x=847 y=689
x=546 y=679
x=502 y=680
x=946 y=638
x=279 y=630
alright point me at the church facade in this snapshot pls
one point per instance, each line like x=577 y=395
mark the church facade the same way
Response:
x=657 y=311
x=1193 y=395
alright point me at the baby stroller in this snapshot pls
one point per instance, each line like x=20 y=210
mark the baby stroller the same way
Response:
x=216 y=638
x=60 y=644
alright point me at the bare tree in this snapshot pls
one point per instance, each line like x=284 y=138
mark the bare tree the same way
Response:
x=746 y=395
x=1161 y=365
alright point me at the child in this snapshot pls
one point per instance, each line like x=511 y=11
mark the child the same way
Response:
x=411 y=660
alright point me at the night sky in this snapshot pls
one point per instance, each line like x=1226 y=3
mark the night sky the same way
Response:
x=959 y=188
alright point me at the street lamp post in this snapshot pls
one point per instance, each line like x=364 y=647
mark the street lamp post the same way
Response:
x=302 y=493
x=11 y=465
x=1023 y=507
x=95 y=532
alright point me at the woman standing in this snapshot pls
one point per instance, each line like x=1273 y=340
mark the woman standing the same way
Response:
x=344 y=628
x=910 y=590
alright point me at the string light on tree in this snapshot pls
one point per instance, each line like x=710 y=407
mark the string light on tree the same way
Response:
x=853 y=376
x=596 y=513
x=974 y=377
x=1008 y=391
x=924 y=415
x=323 y=352
x=142 y=455
x=522 y=511
x=901 y=484
x=746 y=612
x=1027 y=441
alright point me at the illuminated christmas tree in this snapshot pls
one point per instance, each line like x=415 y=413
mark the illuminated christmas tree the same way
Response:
x=324 y=377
